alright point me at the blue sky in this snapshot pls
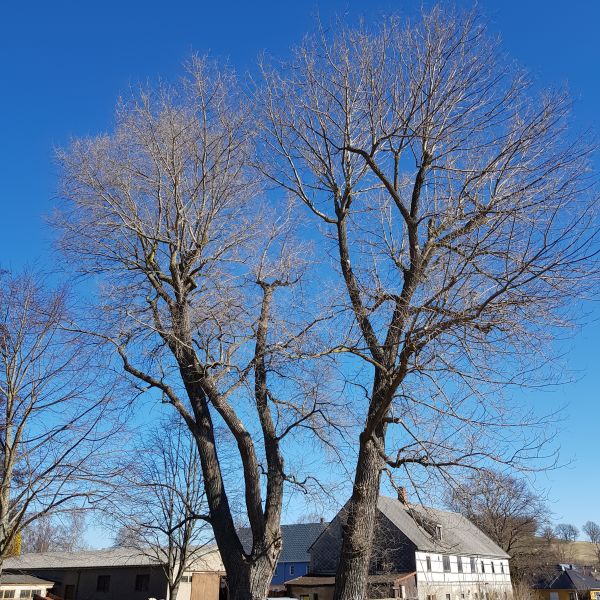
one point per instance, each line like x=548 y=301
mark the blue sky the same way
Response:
x=63 y=64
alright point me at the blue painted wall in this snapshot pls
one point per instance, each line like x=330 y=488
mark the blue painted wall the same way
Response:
x=289 y=570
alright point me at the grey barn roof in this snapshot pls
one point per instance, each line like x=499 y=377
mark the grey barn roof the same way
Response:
x=109 y=557
x=297 y=539
x=22 y=578
x=459 y=535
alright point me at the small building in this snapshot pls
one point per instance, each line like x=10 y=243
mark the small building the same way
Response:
x=19 y=585
x=568 y=584
x=119 y=574
x=294 y=560
x=392 y=585
x=445 y=555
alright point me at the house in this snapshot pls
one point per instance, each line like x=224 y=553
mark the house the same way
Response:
x=419 y=553
x=18 y=585
x=568 y=584
x=294 y=559
x=118 y=574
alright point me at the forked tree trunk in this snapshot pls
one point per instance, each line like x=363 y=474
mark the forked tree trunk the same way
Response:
x=353 y=568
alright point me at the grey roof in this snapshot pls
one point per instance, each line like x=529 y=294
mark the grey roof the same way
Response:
x=459 y=535
x=109 y=557
x=570 y=579
x=297 y=539
x=20 y=578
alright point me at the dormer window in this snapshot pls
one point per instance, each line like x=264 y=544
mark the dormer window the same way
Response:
x=438 y=532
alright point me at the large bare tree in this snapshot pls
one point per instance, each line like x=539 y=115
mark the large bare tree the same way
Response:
x=159 y=502
x=200 y=295
x=511 y=513
x=463 y=227
x=54 y=419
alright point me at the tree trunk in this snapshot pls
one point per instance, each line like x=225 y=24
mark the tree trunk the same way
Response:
x=353 y=568
x=173 y=591
x=250 y=581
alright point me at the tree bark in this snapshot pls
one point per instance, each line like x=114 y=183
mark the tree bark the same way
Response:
x=251 y=580
x=353 y=568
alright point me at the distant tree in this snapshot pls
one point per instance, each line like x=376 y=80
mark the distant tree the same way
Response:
x=128 y=535
x=64 y=532
x=159 y=502
x=566 y=532
x=53 y=408
x=509 y=512
x=310 y=517
x=592 y=530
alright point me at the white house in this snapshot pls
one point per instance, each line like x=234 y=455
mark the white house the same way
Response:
x=18 y=585
x=419 y=553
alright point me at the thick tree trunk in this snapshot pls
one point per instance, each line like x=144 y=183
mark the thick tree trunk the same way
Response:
x=353 y=568
x=250 y=581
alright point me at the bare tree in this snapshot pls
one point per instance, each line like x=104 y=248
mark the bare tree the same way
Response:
x=566 y=532
x=53 y=422
x=159 y=502
x=592 y=530
x=63 y=532
x=463 y=228
x=202 y=293
x=510 y=513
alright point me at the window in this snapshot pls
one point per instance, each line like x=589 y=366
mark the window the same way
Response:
x=502 y=568
x=473 y=566
x=304 y=597
x=142 y=582
x=553 y=595
x=459 y=563
x=493 y=567
x=431 y=597
x=103 y=583
x=315 y=596
x=292 y=569
x=446 y=563
x=26 y=594
x=428 y=562
x=188 y=578
x=482 y=567
x=8 y=594
x=573 y=596
x=447 y=596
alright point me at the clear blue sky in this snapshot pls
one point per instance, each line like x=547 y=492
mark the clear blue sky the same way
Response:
x=63 y=64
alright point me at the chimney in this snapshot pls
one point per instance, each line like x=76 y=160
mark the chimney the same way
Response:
x=402 y=495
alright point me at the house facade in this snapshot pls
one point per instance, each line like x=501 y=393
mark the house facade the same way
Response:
x=419 y=553
x=118 y=574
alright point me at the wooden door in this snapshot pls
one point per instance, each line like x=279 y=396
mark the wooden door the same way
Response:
x=205 y=586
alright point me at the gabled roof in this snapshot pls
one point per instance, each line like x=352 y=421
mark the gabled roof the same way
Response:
x=297 y=539
x=208 y=559
x=459 y=535
x=570 y=579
